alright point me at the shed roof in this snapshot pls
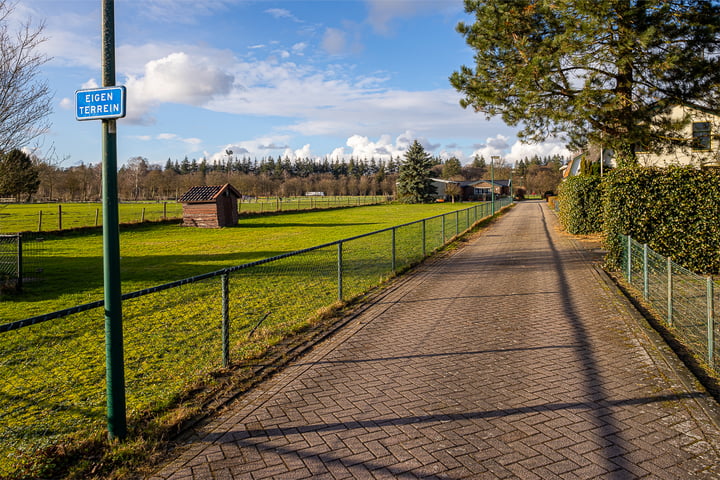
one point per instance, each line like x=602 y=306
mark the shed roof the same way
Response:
x=207 y=193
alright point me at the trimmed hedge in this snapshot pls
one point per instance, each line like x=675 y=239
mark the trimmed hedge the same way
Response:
x=675 y=210
x=581 y=204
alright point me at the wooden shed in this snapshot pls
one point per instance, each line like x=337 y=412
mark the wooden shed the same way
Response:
x=210 y=206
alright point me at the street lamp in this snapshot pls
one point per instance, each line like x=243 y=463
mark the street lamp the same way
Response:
x=492 y=181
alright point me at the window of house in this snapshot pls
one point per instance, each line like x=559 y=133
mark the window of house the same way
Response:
x=701 y=135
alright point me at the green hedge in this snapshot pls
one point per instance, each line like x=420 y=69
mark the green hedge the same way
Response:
x=581 y=204
x=675 y=210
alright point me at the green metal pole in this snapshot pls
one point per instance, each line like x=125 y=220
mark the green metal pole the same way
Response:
x=116 y=409
x=393 y=251
x=512 y=198
x=669 y=291
x=646 y=272
x=492 y=182
x=225 y=329
x=340 y=270
x=710 y=322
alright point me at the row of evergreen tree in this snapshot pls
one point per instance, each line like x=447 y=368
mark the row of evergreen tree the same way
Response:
x=304 y=167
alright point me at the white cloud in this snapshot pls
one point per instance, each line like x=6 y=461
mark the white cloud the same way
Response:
x=91 y=83
x=170 y=137
x=176 y=78
x=259 y=147
x=500 y=146
x=299 y=48
x=383 y=148
x=282 y=13
x=495 y=146
x=67 y=104
x=304 y=152
x=553 y=146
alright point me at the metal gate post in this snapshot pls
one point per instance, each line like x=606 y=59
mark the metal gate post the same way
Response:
x=225 y=320
x=340 y=270
x=669 y=292
x=629 y=259
x=393 y=249
x=710 y=323
x=424 y=238
x=646 y=273
x=19 y=283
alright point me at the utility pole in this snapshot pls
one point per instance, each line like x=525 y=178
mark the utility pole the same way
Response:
x=492 y=181
x=115 y=368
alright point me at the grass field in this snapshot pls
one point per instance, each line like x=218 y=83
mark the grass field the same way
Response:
x=52 y=388
x=155 y=254
x=48 y=217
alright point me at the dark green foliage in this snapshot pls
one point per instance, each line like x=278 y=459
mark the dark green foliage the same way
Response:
x=18 y=175
x=675 y=210
x=595 y=71
x=414 y=184
x=581 y=204
x=451 y=168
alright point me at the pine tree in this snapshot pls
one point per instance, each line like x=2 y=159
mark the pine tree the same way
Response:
x=451 y=168
x=18 y=175
x=597 y=71
x=414 y=184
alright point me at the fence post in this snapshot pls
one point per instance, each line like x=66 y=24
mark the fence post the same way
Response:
x=669 y=292
x=40 y=221
x=97 y=215
x=646 y=275
x=424 y=238
x=340 y=270
x=710 y=323
x=629 y=259
x=393 y=249
x=457 y=223
x=225 y=278
x=19 y=283
x=59 y=217
x=443 y=231
x=142 y=216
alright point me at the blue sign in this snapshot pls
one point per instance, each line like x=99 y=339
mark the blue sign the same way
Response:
x=100 y=103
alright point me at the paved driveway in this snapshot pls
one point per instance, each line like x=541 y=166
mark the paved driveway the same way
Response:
x=511 y=358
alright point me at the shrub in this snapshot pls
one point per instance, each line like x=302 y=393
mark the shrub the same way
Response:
x=581 y=204
x=675 y=210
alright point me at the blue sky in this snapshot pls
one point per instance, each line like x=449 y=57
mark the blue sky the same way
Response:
x=297 y=78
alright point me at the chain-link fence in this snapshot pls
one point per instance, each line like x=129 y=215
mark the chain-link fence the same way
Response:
x=10 y=257
x=686 y=302
x=20 y=260
x=52 y=386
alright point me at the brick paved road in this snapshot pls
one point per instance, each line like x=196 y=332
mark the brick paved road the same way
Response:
x=512 y=358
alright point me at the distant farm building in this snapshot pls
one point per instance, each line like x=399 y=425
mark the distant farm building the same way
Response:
x=212 y=206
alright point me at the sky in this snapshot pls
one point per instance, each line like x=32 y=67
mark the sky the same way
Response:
x=299 y=78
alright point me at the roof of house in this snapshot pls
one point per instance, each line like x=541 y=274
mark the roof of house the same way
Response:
x=207 y=193
x=469 y=183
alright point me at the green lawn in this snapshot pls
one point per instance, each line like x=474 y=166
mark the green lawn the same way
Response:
x=155 y=254
x=52 y=390
x=33 y=217
x=48 y=217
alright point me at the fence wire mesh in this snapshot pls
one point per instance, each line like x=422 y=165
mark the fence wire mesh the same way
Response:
x=52 y=388
x=9 y=255
x=686 y=302
x=53 y=385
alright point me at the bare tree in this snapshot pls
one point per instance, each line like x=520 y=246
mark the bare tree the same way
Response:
x=25 y=99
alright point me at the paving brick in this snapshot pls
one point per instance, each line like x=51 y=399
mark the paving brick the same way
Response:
x=509 y=358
